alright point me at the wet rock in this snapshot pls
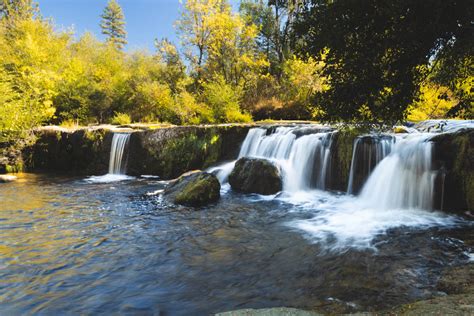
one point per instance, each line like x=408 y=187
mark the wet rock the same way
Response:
x=277 y=311
x=4 y=178
x=194 y=188
x=168 y=152
x=401 y=130
x=252 y=175
x=457 y=283
x=454 y=156
x=457 y=280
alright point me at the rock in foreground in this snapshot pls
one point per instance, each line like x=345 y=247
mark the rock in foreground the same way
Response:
x=252 y=175
x=194 y=189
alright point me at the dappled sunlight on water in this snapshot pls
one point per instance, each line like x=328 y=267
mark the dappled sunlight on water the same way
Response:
x=71 y=246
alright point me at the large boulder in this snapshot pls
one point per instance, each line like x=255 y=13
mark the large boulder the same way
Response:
x=195 y=188
x=252 y=175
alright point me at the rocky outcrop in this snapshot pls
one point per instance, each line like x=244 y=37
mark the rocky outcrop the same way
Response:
x=341 y=156
x=457 y=283
x=168 y=152
x=194 y=189
x=454 y=156
x=252 y=175
x=84 y=151
x=165 y=151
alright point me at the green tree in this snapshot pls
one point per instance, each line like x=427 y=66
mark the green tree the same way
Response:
x=113 y=24
x=380 y=51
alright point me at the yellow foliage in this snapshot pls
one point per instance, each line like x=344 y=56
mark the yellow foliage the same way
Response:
x=434 y=103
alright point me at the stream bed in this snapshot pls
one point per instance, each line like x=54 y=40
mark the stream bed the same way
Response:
x=71 y=245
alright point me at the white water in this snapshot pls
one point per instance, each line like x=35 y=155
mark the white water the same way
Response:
x=366 y=156
x=304 y=161
x=398 y=192
x=405 y=179
x=117 y=161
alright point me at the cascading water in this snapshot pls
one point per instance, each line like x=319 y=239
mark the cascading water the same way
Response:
x=367 y=153
x=405 y=179
x=117 y=163
x=399 y=192
x=304 y=160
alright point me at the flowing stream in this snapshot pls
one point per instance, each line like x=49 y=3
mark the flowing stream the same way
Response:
x=70 y=245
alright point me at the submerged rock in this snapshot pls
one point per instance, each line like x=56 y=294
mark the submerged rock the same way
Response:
x=252 y=175
x=277 y=311
x=7 y=178
x=194 y=188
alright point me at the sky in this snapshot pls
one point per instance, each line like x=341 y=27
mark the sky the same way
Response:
x=146 y=20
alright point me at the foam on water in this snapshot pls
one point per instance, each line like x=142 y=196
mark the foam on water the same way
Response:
x=107 y=178
x=399 y=190
x=342 y=222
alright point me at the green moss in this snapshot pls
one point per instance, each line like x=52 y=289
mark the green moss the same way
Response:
x=344 y=149
x=199 y=191
x=187 y=152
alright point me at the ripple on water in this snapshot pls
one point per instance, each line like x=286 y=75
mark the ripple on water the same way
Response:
x=71 y=246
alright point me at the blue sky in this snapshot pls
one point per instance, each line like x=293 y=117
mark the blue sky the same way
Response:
x=146 y=19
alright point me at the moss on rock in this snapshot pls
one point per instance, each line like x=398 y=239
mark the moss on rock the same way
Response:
x=168 y=152
x=194 y=189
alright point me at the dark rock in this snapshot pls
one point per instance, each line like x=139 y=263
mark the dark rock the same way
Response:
x=341 y=157
x=454 y=156
x=457 y=280
x=195 y=188
x=168 y=152
x=84 y=151
x=252 y=175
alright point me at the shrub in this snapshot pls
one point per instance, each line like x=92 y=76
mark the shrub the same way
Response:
x=121 y=119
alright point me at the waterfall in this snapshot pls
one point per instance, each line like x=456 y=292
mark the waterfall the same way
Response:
x=405 y=179
x=304 y=160
x=117 y=163
x=367 y=153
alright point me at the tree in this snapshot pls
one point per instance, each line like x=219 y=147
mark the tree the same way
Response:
x=113 y=24
x=18 y=9
x=380 y=51
x=275 y=20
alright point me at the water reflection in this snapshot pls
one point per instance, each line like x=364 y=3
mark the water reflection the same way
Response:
x=69 y=246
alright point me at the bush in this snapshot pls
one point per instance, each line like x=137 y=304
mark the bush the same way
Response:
x=121 y=119
x=224 y=100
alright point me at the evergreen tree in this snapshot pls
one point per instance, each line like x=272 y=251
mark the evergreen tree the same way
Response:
x=113 y=24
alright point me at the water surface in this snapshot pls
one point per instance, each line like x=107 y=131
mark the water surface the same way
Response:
x=72 y=246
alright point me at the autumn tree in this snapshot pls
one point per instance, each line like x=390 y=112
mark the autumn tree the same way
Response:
x=113 y=24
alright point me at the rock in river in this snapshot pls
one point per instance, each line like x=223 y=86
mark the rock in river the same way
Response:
x=195 y=188
x=252 y=175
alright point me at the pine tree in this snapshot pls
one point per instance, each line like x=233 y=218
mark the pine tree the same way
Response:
x=113 y=24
